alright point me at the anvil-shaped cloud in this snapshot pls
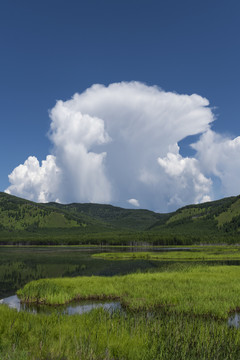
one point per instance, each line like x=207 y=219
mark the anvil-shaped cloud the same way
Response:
x=120 y=142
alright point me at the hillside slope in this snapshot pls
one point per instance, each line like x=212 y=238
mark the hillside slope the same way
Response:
x=216 y=219
x=18 y=214
x=23 y=221
x=118 y=217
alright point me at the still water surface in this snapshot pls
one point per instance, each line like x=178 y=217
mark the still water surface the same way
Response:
x=80 y=307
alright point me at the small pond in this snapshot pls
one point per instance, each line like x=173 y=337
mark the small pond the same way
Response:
x=234 y=320
x=81 y=307
x=72 y=308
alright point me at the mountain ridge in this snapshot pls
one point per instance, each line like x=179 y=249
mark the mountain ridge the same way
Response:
x=27 y=222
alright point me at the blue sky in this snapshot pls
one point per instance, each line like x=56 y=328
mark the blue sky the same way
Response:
x=53 y=49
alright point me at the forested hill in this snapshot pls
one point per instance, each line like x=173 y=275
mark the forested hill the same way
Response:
x=26 y=222
x=211 y=222
x=119 y=218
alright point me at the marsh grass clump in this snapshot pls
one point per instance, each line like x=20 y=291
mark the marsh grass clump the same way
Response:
x=209 y=253
x=199 y=290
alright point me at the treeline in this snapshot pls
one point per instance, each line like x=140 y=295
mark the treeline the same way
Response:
x=116 y=239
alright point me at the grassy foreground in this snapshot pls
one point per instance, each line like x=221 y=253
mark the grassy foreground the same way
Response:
x=101 y=336
x=200 y=290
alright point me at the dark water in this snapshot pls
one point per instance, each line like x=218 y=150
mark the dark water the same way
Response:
x=73 y=308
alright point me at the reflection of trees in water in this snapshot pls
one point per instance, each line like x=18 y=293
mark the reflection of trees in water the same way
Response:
x=14 y=275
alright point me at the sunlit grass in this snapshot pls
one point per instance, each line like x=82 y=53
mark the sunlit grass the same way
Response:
x=203 y=290
x=180 y=313
x=100 y=335
x=196 y=253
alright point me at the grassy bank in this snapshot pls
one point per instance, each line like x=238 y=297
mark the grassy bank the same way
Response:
x=219 y=253
x=99 y=335
x=203 y=290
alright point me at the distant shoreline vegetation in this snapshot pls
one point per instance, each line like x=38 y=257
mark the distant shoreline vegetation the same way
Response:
x=196 y=253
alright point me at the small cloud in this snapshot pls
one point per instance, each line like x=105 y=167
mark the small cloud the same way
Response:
x=206 y=198
x=134 y=202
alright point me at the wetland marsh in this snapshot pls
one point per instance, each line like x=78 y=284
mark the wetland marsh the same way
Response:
x=176 y=303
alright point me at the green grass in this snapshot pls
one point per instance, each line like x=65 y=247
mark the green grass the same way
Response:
x=99 y=335
x=199 y=254
x=201 y=290
x=187 y=319
x=178 y=314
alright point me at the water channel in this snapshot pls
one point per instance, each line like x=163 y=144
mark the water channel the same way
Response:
x=73 y=308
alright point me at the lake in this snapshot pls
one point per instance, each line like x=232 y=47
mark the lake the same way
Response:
x=19 y=265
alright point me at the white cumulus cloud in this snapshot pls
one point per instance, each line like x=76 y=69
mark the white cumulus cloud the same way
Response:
x=220 y=156
x=74 y=134
x=134 y=202
x=185 y=179
x=118 y=143
x=34 y=181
